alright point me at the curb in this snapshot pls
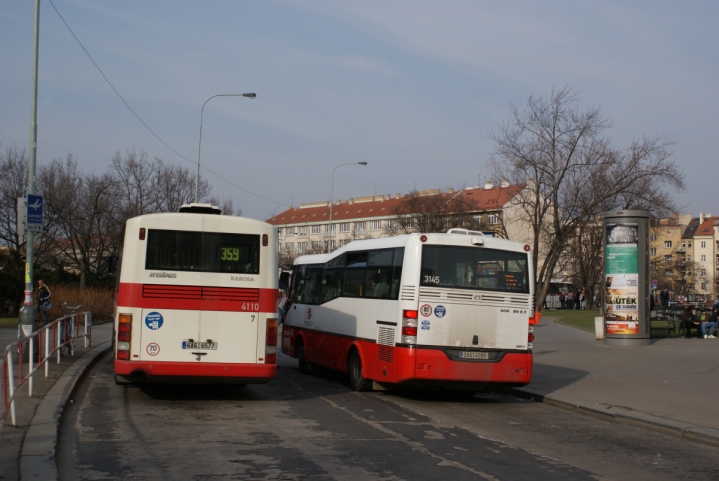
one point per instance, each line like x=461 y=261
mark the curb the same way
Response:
x=690 y=432
x=37 y=455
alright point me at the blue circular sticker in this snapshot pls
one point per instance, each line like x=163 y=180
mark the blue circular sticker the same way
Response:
x=154 y=320
x=440 y=311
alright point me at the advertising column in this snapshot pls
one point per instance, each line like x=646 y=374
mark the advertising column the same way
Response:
x=626 y=277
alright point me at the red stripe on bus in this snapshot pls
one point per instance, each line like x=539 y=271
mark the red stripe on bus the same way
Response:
x=400 y=364
x=260 y=372
x=197 y=298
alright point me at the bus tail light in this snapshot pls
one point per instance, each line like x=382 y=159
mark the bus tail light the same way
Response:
x=271 y=349
x=410 y=314
x=409 y=328
x=124 y=336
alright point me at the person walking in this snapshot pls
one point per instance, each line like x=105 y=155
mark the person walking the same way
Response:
x=664 y=298
x=583 y=299
x=43 y=300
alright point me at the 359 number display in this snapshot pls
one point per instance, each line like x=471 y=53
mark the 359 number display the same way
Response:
x=230 y=254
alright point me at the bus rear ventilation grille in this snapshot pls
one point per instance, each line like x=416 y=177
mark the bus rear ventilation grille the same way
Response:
x=407 y=293
x=200 y=293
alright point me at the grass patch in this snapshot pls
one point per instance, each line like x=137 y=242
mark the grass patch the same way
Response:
x=8 y=322
x=583 y=319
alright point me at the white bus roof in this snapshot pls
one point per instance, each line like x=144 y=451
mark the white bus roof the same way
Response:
x=403 y=240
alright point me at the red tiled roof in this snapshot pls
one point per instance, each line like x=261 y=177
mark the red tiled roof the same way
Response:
x=485 y=200
x=706 y=227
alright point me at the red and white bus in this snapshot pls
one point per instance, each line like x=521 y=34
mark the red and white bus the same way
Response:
x=197 y=299
x=450 y=310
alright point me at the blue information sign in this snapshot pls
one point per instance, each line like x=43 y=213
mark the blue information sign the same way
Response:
x=34 y=212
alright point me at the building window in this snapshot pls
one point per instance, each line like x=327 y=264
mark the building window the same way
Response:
x=345 y=227
x=375 y=225
x=667 y=244
x=653 y=251
x=316 y=229
x=667 y=273
x=653 y=237
x=301 y=247
x=302 y=231
x=289 y=231
x=316 y=246
x=654 y=265
x=391 y=226
x=704 y=272
x=279 y=232
x=704 y=258
x=667 y=259
x=408 y=223
x=332 y=245
x=290 y=246
x=327 y=228
x=493 y=219
x=690 y=244
x=360 y=227
x=689 y=258
x=704 y=286
x=704 y=245
x=279 y=246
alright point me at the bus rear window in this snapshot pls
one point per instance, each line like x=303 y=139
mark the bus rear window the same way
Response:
x=172 y=250
x=474 y=268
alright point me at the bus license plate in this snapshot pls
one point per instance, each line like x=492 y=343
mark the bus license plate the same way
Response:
x=473 y=355
x=202 y=346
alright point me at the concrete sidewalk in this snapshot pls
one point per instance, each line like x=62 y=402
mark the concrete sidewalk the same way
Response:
x=28 y=450
x=670 y=386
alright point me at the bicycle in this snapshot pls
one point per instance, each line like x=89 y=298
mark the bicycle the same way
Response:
x=67 y=334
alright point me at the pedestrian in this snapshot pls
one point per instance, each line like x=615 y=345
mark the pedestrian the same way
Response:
x=576 y=301
x=583 y=299
x=562 y=300
x=664 y=298
x=689 y=320
x=715 y=307
x=707 y=324
x=43 y=300
x=570 y=300
x=281 y=307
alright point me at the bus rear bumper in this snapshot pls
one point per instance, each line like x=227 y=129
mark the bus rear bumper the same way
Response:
x=142 y=371
x=433 y=365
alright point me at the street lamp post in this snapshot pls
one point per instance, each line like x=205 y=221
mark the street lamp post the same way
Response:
x=332 y=186
x=199 y=143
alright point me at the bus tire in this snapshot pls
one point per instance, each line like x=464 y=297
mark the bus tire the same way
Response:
x=354 y=369
x=305 y=366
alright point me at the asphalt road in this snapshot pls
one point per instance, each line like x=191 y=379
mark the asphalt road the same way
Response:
x=314 y=427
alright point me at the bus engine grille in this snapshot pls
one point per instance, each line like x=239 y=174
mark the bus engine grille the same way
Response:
x=385 y=344
x=155 y=291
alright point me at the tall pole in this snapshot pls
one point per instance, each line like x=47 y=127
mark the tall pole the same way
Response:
x=27 y=312
x=332 y=187
x=199 y=143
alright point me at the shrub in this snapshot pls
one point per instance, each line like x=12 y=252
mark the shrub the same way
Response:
x=98 y=300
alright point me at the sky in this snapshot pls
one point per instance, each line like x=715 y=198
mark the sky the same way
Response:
x=412 y=87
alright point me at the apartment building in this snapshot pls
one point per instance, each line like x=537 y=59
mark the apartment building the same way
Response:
x=306 y=229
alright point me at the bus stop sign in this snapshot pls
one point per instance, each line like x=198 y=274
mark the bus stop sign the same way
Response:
x=34 y=212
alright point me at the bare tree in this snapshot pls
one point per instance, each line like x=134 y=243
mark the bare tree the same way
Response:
x=13 y=184
x=175 y=186
x=80 y=207
x=573 y=173
x=433 y=212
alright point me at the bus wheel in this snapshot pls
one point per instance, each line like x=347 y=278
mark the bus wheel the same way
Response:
x=300 y=351
x=354 y=368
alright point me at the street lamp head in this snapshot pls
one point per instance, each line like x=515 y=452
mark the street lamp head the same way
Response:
x=250 y=95
x=362 y=163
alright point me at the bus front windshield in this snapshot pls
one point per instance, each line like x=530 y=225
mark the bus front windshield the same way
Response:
x=474 y=268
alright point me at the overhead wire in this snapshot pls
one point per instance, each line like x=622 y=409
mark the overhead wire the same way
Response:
x=145 y=124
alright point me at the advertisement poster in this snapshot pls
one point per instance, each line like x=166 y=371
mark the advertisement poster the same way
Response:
x=622 y=279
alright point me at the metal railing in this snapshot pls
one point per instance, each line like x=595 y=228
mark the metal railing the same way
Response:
x=56 y=336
